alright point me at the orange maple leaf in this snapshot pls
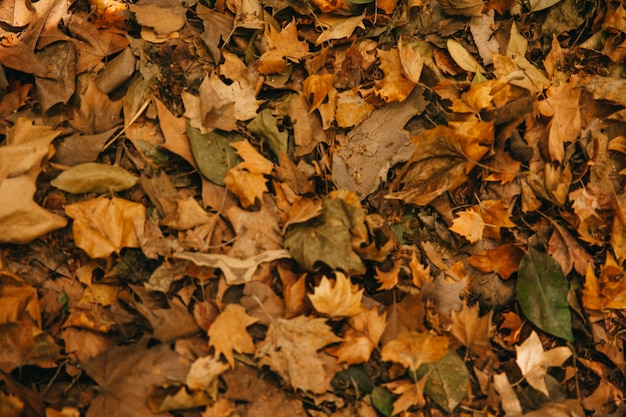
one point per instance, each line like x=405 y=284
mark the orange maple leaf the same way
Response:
x=282 y=45
x=471 y=330
x=469 y=224
x=361 y=336
x=228 y=333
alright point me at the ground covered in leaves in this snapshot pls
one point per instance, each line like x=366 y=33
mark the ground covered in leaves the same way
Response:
x=328 y=208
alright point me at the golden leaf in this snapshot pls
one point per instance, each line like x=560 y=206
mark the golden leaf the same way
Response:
x=282 y=45
x=413 y=349
x=361 y=337
x=245 y=185
x=339 y=300
x=394 y=86
x=469 y=224
x=104 y=226
x=503 y=260
x=228 y=333
x=317 y=87
x=253 y=161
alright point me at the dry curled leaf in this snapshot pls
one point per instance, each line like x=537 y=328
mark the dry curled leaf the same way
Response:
x=228 y=333
x=413 y=349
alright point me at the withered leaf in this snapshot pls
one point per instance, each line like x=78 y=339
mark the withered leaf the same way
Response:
x=228 y=333
x=92 y=177
x=291 y=349
x=339 y=300
x=412 y=349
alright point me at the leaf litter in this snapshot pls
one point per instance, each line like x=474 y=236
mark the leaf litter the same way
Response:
x=220 y=208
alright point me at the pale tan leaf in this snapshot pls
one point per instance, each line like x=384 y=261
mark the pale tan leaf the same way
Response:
x=228 y=333
x=339 y=300
x=412 y=349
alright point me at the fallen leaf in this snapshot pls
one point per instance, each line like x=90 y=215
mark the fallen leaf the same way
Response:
x=93 y=177
x=469 y=224
x=447 y=380
x=412 y=349
x=471 y=330
x=361 y=337
x=410 y=394
x=338 y=27
x=104 y=226
x=503 y=260
x=606 y=291
x=236 y=271
x=462 y=57
x=265 y=125
x=542 y=293
x=339 y=300
x=394 y=86
x=534 y=362
x=22 y=343
x=228 y=333
x=247 y=186
x=441 y=161
x=20 y=164
x=282 y=46
x=291 y=349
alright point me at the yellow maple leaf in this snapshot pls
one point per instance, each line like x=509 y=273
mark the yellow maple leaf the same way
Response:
x=103 y=226
x=228 y=333
x=339 y=300
x=410 y=394
x=413 y=349
x=316 y=88
x=469 y=224
x=245 y=185
x=388 y=279
x=606 y=291
x=361 y=336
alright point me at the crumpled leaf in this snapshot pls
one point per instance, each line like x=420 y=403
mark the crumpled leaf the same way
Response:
x=412 y=349
x=282 y=46
x=361 y=337
x=92 y=177
x=291 y=349
x=247 y=186
x=204 y=372
x=542 y=294
x=534 y=362
x=606 y=291
x=23 y=220
x=228 y=333
x=469 y=224
x=103 y=226
x=394 y=86
x=339 y=300
x=441 y=161
x=338 y=27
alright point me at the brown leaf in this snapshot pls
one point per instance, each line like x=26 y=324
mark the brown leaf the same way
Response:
x=290 y=349
x=282 y=45
x=104 y=226
x=472 y=330
x=503 y=260
x=441 y=161
x=361 y=337
x=22 y=343
x=394 y=86
x=469 y=224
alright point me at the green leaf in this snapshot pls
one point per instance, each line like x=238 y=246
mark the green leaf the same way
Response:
x=266 y=126
x=328 y=238
x=213 y=153
x=447 y=380
x=92 y=177
x=542 y=293
x=382 y=400
x=353 y=378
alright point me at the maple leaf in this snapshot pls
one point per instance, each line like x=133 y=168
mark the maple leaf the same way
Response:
x=338 y=27
x=361 y=336
x=388 y=279
x=562 y=105
x=471 y=330
x=503 y=260
x=413 y=349
x=228 y=332
x=291 y=349
x=514 y=324
x=316 y=88
x=247 y=186
x=281 y=44
x=469 y=224
x=606 y=291
x=339 y=300
x=104 y=226
x=394 y=86
x=410 y=394
x=534 y=362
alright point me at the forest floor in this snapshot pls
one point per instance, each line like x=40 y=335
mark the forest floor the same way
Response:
x=326 y=208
